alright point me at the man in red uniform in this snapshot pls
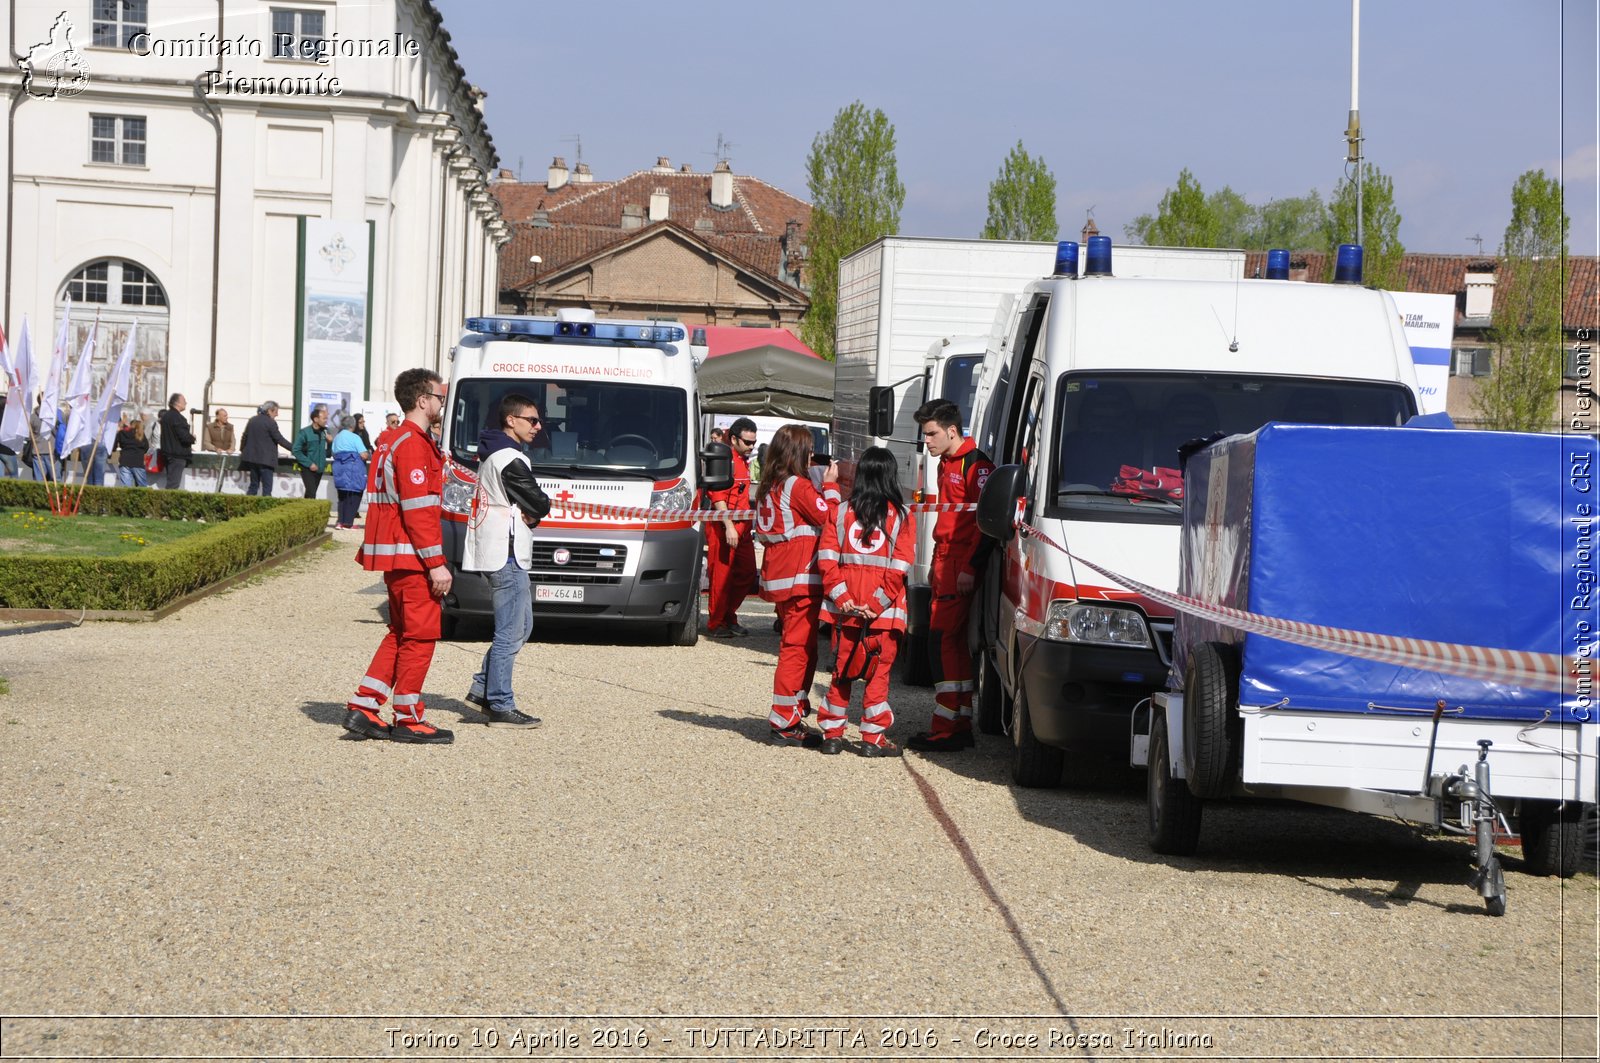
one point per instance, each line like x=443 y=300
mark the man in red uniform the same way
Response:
x=959 y=551
x=730 y=551
x=403 y=541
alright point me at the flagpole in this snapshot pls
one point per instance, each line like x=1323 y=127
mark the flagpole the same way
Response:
x=64 y=487
x=94 y=438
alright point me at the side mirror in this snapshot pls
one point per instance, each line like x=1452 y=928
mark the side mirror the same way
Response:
x=997 y=504
x=880 y=412
x=716 y=467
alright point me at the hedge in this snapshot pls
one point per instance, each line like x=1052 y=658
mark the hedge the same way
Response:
x=247 y=530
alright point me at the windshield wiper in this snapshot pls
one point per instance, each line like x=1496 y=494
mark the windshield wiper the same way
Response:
x=1131 y=496
x=615 y=470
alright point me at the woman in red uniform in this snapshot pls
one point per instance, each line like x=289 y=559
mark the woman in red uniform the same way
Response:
x=790 y=514
x=866 y=552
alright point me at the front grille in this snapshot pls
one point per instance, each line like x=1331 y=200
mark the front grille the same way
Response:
x=587 y=565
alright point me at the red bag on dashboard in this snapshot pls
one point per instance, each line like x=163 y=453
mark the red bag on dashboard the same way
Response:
x=1156 y=483
x=155 y=461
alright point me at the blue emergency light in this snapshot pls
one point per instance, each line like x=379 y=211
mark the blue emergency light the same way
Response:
x=1067 y=258
x=1347 y=266
x=1097 y=262
x=1277 y=265
x=551 y=328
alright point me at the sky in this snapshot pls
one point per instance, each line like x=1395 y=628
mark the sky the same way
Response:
x=1457 y=98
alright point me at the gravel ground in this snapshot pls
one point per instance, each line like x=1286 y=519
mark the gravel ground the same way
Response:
x=187 y=832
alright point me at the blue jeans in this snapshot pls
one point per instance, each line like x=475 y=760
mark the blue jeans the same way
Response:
x=8 y=465
x=513 y=623
x=132 y=476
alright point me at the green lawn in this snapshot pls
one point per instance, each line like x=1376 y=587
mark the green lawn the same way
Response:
x=33 y=531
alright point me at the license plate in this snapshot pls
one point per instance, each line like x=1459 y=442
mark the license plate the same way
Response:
x=542 y=593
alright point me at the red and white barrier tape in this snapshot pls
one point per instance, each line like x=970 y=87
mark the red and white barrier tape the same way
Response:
x=610 y=512
x=1536 y=671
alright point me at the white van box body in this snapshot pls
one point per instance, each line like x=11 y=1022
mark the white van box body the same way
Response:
x=621 y=428
x=1106 y=372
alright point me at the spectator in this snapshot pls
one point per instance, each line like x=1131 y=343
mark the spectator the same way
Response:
x=391 y=420
x=311 y=449
x=8 y=457
x=132 y=446
x=361 y=430
x=349 y=471
x=177 y=440
x=219 y=433
x=719 y=435
x=258 y=449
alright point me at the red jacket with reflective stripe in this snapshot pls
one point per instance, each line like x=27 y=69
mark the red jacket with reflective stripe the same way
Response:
x=404 y=484
x=867 y=568
x=956 y=539
x=736 y=497
x=788 y=524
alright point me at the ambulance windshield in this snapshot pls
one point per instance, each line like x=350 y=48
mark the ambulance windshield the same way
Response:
x=589 y=428
x=1118 y=434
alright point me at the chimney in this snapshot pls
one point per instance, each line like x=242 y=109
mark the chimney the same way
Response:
x=558 y=173
x=1480 y=290
x=663 y=165
x=722 y=186
x=658 y=205
x=541 y=219
x=686 y=168
x=632 y=216
x=582 y=175
x=1089 y=229
x=507 y=175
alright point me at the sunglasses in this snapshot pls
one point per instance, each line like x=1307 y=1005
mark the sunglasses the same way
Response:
x=746 y=442
x=442 y=396
x=535 y=421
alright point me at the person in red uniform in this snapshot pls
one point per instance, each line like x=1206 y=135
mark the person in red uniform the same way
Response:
x=865 y=554
x=404 y=541
x=730 y=552
x=959 y=551
x=790 y=512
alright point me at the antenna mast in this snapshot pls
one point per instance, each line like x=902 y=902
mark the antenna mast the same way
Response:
x=1352 y=133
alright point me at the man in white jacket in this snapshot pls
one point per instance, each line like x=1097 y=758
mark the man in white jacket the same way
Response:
x=507 y=505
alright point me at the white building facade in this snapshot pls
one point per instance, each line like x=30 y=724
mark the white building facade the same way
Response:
x=162 y=155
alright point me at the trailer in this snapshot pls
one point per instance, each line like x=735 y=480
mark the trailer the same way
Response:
x=1430 y=598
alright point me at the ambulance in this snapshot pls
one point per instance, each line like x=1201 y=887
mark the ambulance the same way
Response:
x=1103 y=379
x=620 y=429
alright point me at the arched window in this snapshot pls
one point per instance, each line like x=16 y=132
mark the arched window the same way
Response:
x=107 y=297
x=115 y=282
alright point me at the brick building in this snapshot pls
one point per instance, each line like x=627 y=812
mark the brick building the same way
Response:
x=714 y=248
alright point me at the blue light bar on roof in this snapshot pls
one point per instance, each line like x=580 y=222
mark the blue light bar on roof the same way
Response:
x=550 y=328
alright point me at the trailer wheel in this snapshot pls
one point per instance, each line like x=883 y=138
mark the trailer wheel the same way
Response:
x=992 y=707
x=1033 y=764
x=916 y=669
x=1552 y=838
x=449 y=626
x=1210 y=721
x=1174 y=812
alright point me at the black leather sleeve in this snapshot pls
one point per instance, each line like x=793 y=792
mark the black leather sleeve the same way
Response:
x=524 y=492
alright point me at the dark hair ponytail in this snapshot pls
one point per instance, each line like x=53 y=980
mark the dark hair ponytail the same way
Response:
x=876 y=489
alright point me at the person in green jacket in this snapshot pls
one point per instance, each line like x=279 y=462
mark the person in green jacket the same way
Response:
x=311 y=449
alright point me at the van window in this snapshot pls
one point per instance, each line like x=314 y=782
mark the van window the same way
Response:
x=1106 y=422
x=610 y=428
x=960 y=385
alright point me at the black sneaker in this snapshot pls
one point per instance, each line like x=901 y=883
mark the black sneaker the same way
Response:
x=511 y=718
x=883 y=748
x=477 y=701
x=832 y=746
x=926 y=742
x=720 y=633
x=361 y=725
x=795 y=736
x=739 y=630
x=421 y=734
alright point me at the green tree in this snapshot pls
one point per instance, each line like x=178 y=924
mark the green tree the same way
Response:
x=1520 y=394
x=1184 y=219
x=1022 y=200
x=1380 y=223
x=1295 y=223
x=856 y=196
x=1236 y=219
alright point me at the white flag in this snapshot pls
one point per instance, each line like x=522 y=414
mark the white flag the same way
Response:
x=52 y=379
x=14 y=424
x=6 y=372
x=115 y=393
x=79 y=406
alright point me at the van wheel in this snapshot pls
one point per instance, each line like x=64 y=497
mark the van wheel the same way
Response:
x=993 y=704
x=1174 y=812
x=916 y=670
x=1552 y=838
x=1033 y=764
x=1210 y=718
x=686 y=632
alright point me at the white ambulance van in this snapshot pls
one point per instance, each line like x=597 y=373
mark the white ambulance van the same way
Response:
x=1103 y=378
x=620 y=428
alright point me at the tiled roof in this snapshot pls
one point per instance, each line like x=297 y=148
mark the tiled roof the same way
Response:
x=723 y=339
x=749 y=231
x=1447 y=275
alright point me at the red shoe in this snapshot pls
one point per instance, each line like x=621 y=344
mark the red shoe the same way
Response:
x=420 y=734
x=365 y=723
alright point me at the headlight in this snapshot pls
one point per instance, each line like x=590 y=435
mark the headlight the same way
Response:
x=458 y=489
x=678 y=496
x=1105 y=625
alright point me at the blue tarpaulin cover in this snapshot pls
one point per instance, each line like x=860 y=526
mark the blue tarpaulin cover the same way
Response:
x=1480 y=538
